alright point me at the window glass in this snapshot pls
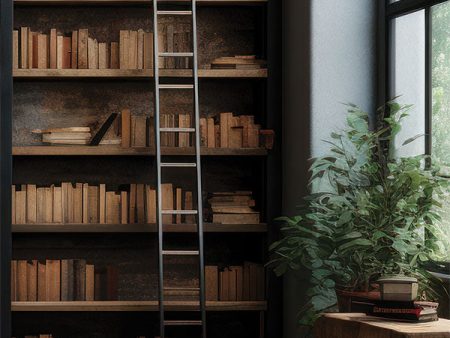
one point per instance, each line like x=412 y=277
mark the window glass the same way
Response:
x=408 y=78
x=440 y=120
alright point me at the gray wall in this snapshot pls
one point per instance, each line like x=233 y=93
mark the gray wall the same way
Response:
x=328 y=58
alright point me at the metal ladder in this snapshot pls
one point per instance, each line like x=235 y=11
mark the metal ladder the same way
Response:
x=198 y=213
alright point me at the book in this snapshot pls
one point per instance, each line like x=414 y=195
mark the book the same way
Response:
x=79 y=284
x=85 y=202
x=126 y=128
x=16 y=49
x=74 y=50
x=103 y=59
x=132 y=49
x=150 y=195
x=211 y=283
x=167 y=202
x=31 y=203
x=124 y=37
x=140 y=203
x=30 y=49
x=24 y=47
x=223 y=285
x=203 y=132
x=188 y=205
x=93 y=204
x=236 y=218
x=13 y=204
x=53 y=48
x=232 y=284
x=92 y=53
x=90 y=282
x=224 y=129
x=112 y=208
x=132 y=204
x=67 y=280
x=83 y=36
x=67 y=53
x=124 y=207
x=78 y=203
x=32 y=281
x=148 y=50
x=59 y=51
x=140 y=49
x=22 y=287
x=138 y=131
x=114 y=61
x=57 y=205
x=42 y=49
x=53 y=280
x=42 y=281
x=102 y=204
x=178 y=203
x=13 y=280
x=21 y=208
x=170 y=61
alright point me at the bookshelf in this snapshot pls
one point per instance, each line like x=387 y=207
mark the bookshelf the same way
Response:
x=134 y=306
x=65 y=97
x=118 y=151
x=135 y=74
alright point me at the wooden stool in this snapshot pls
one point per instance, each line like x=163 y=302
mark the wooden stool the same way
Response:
x=359 y=325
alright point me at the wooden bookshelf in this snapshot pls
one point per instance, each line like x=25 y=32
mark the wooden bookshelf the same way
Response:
x=136 y=2
x=135 y=74
x=118 y=151
x=135 y=306
x=137 y=228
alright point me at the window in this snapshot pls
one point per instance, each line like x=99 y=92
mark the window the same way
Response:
x=419 y=73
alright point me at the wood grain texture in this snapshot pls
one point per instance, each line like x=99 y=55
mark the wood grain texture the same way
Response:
x=359 y=325
x=146 y=306
x=118 y=151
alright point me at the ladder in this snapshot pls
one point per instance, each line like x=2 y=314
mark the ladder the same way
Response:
x=198 y=213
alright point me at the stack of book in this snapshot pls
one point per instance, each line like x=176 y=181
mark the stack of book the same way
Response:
x=77 y=50
x=412 y=311
x=233 y=208
x=238 y=62
x=235 y=283
x=71 y=135
x=61 y=280
x=84 y=203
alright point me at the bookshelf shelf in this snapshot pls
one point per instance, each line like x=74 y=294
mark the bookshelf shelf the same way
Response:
x=136 y=228
x=118 y=151
x=135 y=306
x=135 y=74
x=136 y=2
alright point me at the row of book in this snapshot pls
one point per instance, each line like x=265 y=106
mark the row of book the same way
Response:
x=61 y=280
x=175 y=38
x=84 y=203
x=235 y=283
x=233 y=208
x=238 y=62
x=232 y=131
x=78 y=50
x=38 y=336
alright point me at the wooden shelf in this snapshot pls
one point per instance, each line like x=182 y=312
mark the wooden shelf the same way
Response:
x=135 y=74
x=118 y=151
x=136 y=228
x=136 y=2
x=134 y=306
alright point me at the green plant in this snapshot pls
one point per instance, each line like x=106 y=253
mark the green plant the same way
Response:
x=368 y=214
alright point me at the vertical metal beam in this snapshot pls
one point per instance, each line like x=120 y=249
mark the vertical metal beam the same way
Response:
x=6 y=90
x=428 y=80
x=199 y=170
x=158 y=169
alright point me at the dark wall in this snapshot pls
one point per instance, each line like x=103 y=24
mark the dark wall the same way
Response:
x=329 y=58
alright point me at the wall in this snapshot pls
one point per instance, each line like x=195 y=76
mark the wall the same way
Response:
x=329 y=58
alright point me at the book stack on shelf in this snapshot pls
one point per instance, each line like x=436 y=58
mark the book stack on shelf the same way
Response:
x=38 y=336
x=84 y=203
x=233 y=208
x=235 y=283
x=61 y=280
x=71 y=135
x=238 y=62
x=35 y=50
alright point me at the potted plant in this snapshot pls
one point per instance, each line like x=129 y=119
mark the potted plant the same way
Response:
x=369 y=214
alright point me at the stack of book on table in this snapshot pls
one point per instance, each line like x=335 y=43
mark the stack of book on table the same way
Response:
x=414 y=311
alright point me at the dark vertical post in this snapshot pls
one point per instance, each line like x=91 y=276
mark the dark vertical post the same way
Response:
x=6 y=89
x=428 y=80
x=382 y=54
x=273 y=184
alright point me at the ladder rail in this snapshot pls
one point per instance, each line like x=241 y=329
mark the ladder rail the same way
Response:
x=199 y=170
x=158 y=171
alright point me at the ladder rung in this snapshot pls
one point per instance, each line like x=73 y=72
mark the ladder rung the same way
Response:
x=174 y=12
x=179 y=165
x=176 y=54
x=180 y=252
x=177 y=130
x=179 y=212
x=176 y=86
x=183 y=322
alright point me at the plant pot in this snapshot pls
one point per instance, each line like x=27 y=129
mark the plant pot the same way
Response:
x=345 y=300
